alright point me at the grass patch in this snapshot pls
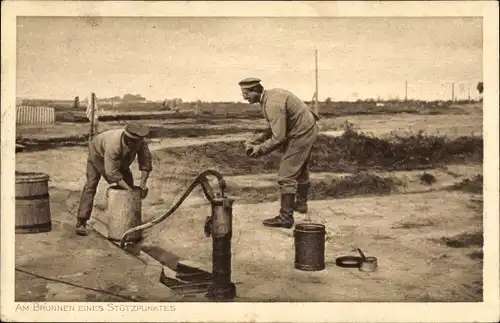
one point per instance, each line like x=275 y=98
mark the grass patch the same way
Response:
x=352 y=152
x=31 y=144
x=357 y=184
x=470 y=185
x=476 y=255
x=382 y=237
x=476 y=205
x=419 y=223
x=427 y=179
x=193 y=132
x=464 y=240
x=346 y=186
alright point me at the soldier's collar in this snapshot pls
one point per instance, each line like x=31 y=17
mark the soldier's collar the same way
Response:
x=262 y=96
x=124 y=146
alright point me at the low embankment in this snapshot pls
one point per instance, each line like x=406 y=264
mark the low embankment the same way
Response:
x=351 y=152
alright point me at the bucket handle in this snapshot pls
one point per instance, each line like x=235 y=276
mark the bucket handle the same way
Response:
x=361 y=254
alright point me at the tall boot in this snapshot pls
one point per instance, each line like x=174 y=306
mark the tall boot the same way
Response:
x=81 y=227
x=300 y=204
x=285 y=217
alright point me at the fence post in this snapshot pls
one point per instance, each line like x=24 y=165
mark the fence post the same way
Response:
x=92 y=114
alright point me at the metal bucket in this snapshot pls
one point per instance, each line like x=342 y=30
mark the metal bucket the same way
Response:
x=309 y=246
x=368 y=264
x=124 y=213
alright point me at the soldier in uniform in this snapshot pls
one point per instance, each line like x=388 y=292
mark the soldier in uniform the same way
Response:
x=293 y=128
x=110 y=155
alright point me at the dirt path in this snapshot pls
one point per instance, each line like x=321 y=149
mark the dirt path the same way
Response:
x=70 y=268
x=158 y=144
x=402 y=231
x=383 y=125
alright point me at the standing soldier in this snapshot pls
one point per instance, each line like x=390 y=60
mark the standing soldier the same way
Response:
x=110 y=155
x=293 y=128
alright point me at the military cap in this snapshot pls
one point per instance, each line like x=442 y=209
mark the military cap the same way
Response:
x=136 y=130
x=249 y=82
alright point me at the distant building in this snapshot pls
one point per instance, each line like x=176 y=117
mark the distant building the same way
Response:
x=173 y=104
x=26 y=114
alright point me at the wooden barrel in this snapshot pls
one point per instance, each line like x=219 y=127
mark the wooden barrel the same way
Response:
x=32 y=203
x=123 y=213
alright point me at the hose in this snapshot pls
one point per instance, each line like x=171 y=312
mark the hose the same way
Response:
x=199 y=179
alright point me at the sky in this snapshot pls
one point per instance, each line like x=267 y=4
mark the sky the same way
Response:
x=205 y=57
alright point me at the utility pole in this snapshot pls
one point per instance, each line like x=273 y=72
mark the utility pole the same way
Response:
x=452 y=92
x=316 y=72
x=91 y=114
x=406 y=91
x=469 y=96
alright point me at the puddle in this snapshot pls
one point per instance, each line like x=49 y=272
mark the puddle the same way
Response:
x=464 y=240
x=115 y=288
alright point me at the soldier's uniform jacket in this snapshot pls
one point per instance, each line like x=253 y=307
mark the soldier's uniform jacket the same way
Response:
x=110 y=155
x=288 y=117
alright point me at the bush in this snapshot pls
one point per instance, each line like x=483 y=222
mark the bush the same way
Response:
x=347 y=186
x=473 y=185
x=351 y=152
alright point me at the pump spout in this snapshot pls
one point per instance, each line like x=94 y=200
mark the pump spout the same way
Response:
x=206 y=186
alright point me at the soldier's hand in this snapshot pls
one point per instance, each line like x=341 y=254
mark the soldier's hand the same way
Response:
x=248 y=149
x=144 y=191
x=255 y=152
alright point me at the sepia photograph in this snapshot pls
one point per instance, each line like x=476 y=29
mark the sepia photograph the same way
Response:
x=209 y=158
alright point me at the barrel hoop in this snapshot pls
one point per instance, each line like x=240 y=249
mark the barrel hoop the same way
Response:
x=310 y=228
x=34 y=226
x=316 y=267
x=33 y=197
x=24 y=177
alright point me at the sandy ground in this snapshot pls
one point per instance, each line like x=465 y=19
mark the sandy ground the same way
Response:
x=91 y=263
x=413 y=265
x=403 y=230
x=383 y=125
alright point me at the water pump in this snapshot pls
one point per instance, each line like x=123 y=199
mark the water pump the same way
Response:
x=218 y=226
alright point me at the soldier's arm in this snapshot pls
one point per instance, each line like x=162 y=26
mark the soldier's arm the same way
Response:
x=112 y=168
x=276 y=114
x=145 y=160
x=260 y=137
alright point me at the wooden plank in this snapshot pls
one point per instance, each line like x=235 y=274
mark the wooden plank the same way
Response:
x=186 y=270
x=172 y=265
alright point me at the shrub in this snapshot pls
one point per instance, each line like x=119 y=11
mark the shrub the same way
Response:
x=351 y=152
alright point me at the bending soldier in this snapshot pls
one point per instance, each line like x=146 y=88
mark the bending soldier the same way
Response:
x=293 y=128
x=110 y=155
